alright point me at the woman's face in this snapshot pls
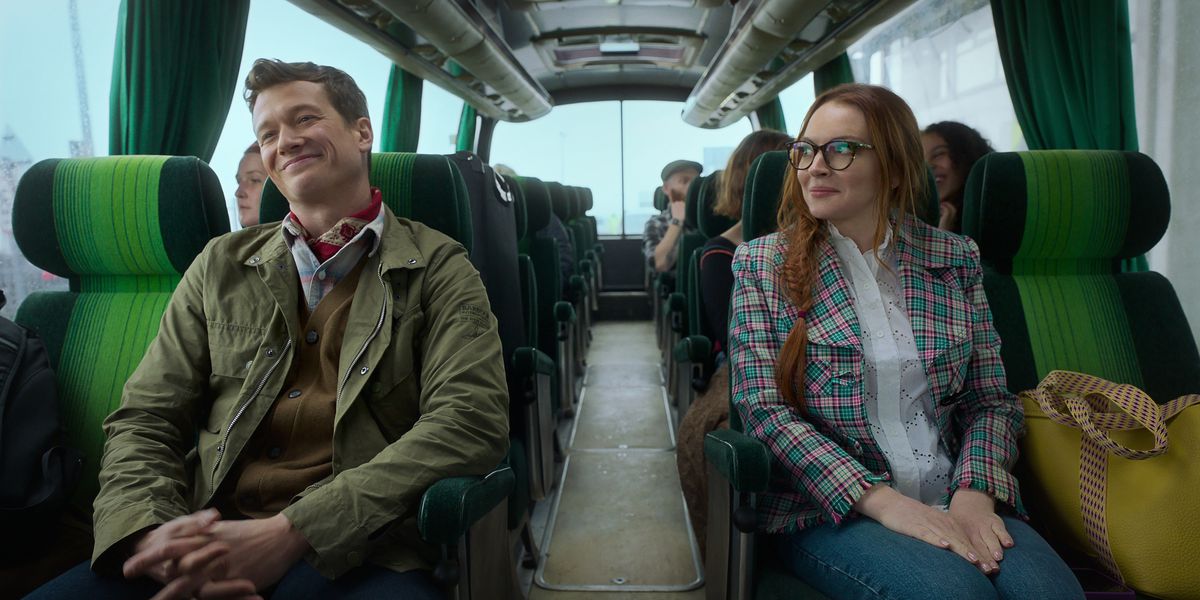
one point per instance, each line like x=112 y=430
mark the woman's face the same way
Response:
x=948 y=178
x=847 y=198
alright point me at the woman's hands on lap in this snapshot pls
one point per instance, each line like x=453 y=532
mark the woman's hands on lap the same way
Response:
x=962 y=530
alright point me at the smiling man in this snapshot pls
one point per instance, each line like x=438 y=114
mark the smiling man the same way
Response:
x=309 y=381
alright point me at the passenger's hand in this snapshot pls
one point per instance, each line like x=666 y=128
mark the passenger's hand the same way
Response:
x=183 y=556
x=975 y=513
x=678 y=209
x=948 y=216
x=260 y=550
x=909 y=517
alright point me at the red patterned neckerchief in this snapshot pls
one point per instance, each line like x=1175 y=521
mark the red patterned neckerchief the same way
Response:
x=328 y=244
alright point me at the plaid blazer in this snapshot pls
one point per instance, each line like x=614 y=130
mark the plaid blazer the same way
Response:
x=825 y=461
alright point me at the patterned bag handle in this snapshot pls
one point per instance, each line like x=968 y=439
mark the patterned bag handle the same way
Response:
x=1085 y=402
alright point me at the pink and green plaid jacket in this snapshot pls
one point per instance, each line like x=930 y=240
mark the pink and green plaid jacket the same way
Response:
x=823 y=463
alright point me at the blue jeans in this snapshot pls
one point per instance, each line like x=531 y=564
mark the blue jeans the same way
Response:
x=300 y=582
x=863 y=559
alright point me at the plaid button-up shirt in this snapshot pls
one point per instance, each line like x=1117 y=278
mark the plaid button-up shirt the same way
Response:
x=824 y=461
x=317 y=278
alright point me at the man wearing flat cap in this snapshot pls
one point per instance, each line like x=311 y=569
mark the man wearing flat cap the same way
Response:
x=663 y=230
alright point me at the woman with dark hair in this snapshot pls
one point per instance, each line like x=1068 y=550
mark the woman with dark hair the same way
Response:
x=862 y=354
x=951 y=149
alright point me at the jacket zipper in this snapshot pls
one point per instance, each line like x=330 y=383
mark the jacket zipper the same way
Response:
x=363 y=350
x=242 y=409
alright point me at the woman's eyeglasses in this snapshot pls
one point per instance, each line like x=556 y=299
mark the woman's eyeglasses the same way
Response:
x=838 y=154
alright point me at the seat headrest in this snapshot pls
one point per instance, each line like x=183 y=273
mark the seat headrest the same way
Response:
x=559 y=201
x=536 y=197
x=518 y=196
x=760 y=201
x=117 y=215
x=711 y=224
x=587 y=199
x=1065 y=204
x=426 y=188
x=692 y=201
x=660 y=199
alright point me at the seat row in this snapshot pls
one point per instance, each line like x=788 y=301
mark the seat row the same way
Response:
x=122 y=230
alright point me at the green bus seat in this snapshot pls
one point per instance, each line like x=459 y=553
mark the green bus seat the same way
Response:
x=677 y=303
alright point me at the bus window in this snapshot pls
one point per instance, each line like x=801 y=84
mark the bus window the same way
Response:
x=581 y=144
x=440 y=111
x=55 y=73
x=279 y=29
x=942 y=57
x=796 y=100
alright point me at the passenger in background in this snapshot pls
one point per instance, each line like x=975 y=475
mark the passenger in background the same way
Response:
x=710 y=411
x=277 y=433
x=250 y=179
x=951 y=149
x=661 y=235
x=554 y=230
x=886 y=408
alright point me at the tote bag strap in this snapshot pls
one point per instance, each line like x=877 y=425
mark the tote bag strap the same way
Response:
x=1087 y=403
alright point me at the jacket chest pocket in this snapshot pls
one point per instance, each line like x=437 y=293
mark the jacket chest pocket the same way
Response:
x=231 y=349
x=394 y=394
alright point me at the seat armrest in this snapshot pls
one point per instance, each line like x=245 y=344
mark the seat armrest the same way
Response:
x=528 y=362
x=693 y=349
x=450 y=506
x=742 y=460
x=564 y=312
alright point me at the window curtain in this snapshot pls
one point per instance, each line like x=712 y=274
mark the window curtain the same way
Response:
x=1069 y=70
x=175 y=71
x=770 y=116
x=466 y=129
x=402 y=112
x=832 y=74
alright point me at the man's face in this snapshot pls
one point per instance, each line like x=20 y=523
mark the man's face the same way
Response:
x=676 y=185
x=308 y=149
x=250 y=179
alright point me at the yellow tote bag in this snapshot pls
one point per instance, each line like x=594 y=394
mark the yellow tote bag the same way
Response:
x=1118 y=476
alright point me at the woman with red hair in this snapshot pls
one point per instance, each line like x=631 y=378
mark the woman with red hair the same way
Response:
x=863 y=355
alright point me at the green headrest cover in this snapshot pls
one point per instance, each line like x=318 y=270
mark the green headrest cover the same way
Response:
x=558 y=200
x=760 y=202
x=1065 y=204
x=117 y=215
x=712 y=224
x=660 y=199
x=518 y=196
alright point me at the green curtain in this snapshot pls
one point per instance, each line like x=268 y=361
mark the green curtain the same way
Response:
x=833 y=73
x=1069 y=70
x=402 y=112
x=770 y=116
x=175 y=71
x=466 y=129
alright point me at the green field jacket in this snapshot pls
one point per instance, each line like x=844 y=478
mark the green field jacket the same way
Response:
x=421 y=397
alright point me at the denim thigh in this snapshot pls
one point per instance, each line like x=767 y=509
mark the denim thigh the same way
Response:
x=863 y=559
x=302 y=581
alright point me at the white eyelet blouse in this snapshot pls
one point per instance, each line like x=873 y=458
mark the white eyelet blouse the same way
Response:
x=895 y=386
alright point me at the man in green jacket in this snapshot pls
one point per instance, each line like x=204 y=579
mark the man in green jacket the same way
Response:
x=304 y=389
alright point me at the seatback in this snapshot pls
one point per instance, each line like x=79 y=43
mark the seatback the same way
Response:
x=660 y=199
x=122 y=230
x=760 y=201
x=689 y=241
x=1052 y=227
x=710 y=225
x=524 y=262
x=560 y=205
x=544 y=254
x=494 y=251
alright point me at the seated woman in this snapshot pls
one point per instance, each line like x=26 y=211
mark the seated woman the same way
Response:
x=862 y=353
x=951 y=149
x=711 y=409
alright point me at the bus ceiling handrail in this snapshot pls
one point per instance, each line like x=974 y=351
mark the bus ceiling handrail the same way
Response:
x=736 y=83
x=493 y=82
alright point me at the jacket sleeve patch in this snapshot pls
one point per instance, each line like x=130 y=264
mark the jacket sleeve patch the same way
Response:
x=474 y=320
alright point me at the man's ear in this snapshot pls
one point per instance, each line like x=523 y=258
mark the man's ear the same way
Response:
x=366 y=135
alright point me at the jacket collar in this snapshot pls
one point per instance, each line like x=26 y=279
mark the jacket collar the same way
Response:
x=397 y=249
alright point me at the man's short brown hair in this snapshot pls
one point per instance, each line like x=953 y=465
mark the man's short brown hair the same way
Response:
x=344 y=94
